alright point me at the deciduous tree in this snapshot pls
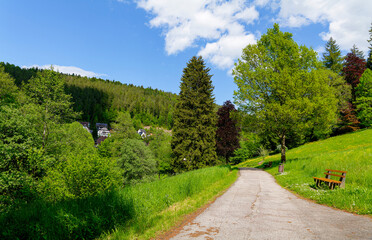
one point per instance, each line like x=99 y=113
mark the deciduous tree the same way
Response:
x=283 y=86
x=363 y=100
x=46 y=89
x=227 y=131
x=194 y=142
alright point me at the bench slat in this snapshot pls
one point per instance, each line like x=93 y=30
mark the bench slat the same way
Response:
x=327 y=180
x=336 y=171
x=335 y=175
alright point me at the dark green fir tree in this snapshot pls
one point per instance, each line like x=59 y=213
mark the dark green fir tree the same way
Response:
x=332 y=58
x=194 y=132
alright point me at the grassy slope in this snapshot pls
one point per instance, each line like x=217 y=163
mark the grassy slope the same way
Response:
x=138 y=212
x=160 y=205
x=350 y=152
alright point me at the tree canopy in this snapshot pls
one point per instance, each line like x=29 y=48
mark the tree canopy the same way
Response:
x=364 y=99
x=284 y=86
x=332 y=58
x=227 y=131
x=193 y=141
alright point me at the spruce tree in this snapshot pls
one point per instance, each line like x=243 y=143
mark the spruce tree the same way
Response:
x=332 y=58
x=369 y=59
x=194 y=132
x=357 y=52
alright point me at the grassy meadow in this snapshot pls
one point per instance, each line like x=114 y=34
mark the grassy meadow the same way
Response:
x=137 y=212
x=350 y=152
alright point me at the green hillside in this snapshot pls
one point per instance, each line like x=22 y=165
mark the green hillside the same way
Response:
x=99 y=100
x=350 y=152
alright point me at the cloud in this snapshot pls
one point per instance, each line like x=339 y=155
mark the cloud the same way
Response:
x=216 y=27
x=348 y=21
x=68 y=70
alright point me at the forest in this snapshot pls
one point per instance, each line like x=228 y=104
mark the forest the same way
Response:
x=100 y=100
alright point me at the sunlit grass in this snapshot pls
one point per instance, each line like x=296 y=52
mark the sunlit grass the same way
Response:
x=138 y=212
x=350 y=152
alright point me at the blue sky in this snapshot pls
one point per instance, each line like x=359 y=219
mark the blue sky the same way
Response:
x=148 y=42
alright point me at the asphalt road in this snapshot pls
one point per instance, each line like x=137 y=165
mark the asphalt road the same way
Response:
x=256 y=207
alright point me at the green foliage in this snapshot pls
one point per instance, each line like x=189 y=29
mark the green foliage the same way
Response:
x=70 y=139
x=193 y=141
x=79 y=176
x=137 y=162
x=122 y=129
x=8 y=88
x=355 y=50
x=332 y=58
x=123 y=126
x=46 y=90
x=99 y=100
x=160 y=146
x=18 y=139
x=364 y=98
x=285 y=88
x=136 y=212
x=248 y=148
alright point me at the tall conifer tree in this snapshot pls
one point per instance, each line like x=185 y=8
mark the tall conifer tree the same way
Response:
x=357 y=52
x=332 y=58
x=369 y=59
x=194 y=131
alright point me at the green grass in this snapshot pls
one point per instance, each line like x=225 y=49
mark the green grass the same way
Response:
x=141 y=211
x=350 y=152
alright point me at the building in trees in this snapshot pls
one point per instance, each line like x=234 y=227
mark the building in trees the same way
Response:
x=194 y=142
x=285 y=88
x=227 y=136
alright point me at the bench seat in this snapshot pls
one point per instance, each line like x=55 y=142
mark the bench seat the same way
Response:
x=331 y=182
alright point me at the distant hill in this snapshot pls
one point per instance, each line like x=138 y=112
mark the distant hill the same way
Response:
x=99 y=99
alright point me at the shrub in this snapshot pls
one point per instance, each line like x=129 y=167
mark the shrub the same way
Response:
x=137 y=162
x=80 y=176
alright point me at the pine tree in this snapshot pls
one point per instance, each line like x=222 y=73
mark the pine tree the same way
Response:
x=357 y=52
x=227 y=131
x=193 y=142
x=332 y=58
x=369 y=59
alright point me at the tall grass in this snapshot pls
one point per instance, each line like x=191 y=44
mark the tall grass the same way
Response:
x=350 y=152
x=142 y=210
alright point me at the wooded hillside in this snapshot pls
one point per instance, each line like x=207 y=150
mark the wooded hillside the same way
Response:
x=99 y=100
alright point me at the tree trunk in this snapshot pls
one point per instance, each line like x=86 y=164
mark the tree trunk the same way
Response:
x=283 y=148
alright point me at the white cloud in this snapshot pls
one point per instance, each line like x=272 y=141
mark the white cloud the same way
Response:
x=222 y=24
x=68 y=70
x=349 y=20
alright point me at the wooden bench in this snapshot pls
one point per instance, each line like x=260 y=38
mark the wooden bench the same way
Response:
x=332 y=183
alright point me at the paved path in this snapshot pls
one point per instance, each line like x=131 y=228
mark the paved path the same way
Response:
x=256 y=207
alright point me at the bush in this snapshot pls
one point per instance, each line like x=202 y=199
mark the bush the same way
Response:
x=80 y=176
x=137 y=162
x=248 y=148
